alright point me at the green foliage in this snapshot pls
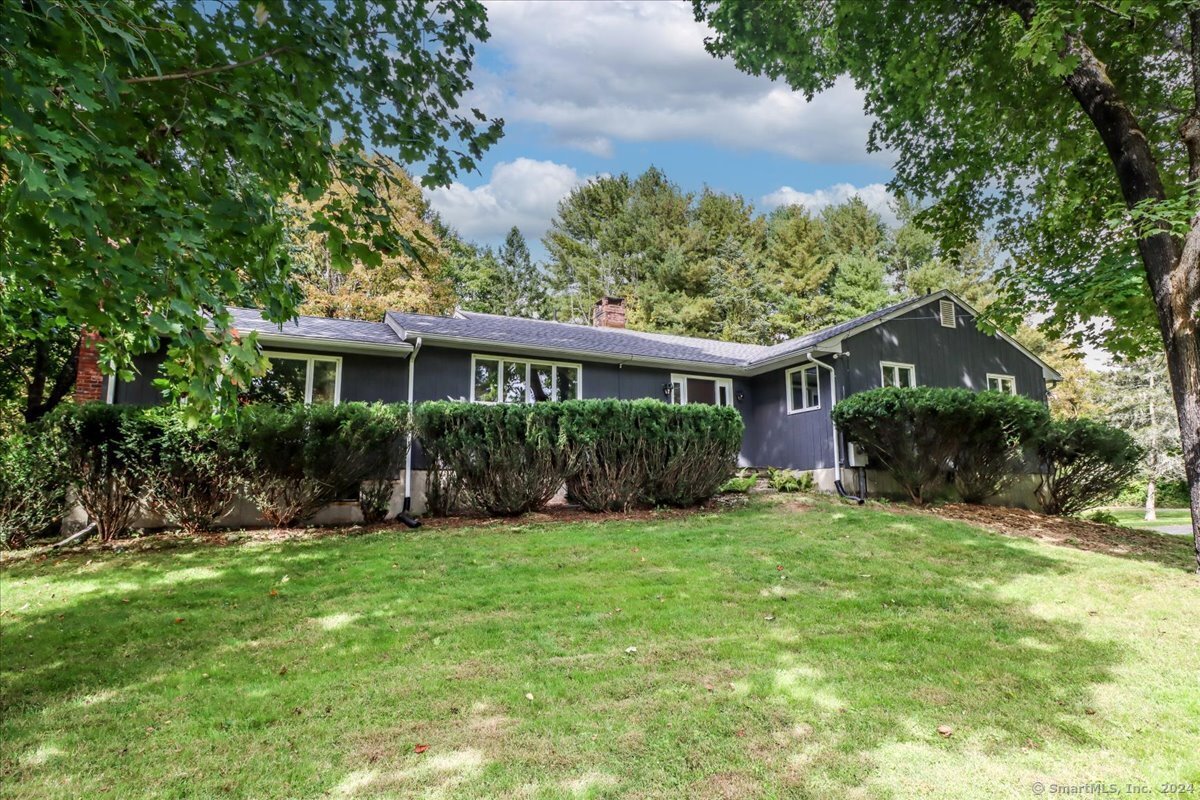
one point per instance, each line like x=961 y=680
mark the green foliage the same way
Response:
x=906 y=431
x=789 y=480
x=997 y=430
x=1084 y=463
x=197 y=473
x=147 y=147
x=508 y=459
x=922 y=434
x=612 y=454
x=301 y=458
x=506 y=281
x=109 y=454
x=1103 y=517
x=627 y=452
x=1169 y=494
x=709 y=265
x=741 y=483
x=33 y=484
x=971 y=100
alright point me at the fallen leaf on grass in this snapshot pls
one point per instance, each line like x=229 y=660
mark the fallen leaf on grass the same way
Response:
x=631 y=651
x=529 y=695
x=945 y=731
x=769 y=617
x=178 y=620
x=421 y=748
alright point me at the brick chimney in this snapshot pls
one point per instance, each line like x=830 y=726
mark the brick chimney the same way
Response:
x=609 y=312
x=89 y=382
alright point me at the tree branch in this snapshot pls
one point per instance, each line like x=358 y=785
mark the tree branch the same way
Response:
x=196 y=73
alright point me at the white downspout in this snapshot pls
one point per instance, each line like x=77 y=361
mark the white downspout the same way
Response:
x=412 y=363
x=837 y=456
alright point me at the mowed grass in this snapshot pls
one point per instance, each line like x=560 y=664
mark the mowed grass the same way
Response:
x=780 y=652
x=1136 y=517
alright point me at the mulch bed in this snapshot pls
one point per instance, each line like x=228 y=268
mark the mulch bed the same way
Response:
x=1068 y=532
x=555 y=513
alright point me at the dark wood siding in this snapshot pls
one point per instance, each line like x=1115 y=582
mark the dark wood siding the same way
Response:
x=365 y=378
x=960 y=356
x=775 y=438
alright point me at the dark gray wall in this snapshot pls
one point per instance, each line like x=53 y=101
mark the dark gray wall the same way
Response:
x=365 y=378
x=775 y=438
x=960 y=356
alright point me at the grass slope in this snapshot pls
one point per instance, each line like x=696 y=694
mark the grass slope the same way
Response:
x=780 y=652
x=1136 y=517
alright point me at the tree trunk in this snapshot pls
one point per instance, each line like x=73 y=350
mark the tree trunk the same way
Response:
x=1172 y=268
x=1151 y=499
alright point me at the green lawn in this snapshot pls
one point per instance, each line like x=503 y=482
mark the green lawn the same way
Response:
x=780 y=652
x=1135 y=517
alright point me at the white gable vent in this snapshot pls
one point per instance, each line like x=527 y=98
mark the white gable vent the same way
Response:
x=946 y=312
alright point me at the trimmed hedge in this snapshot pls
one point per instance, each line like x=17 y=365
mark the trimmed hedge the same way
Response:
x=996 y=432
x=611 y=454
x=302 y=458
x=1084 y=463
x=33 y=484
x=196 y=475
x=507 y=459
x=109 y=453
x=628 y=452
x=982 y=439
x=911 y=432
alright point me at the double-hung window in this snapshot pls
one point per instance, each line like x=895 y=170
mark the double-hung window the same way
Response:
x=1002 y=383
x=298 y=378
x=509 y=380
x=803 y=388
x=894 y=374
x=696 y=389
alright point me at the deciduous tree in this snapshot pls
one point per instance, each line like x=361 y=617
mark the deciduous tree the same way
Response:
x=146 y=146
x=1074 y=126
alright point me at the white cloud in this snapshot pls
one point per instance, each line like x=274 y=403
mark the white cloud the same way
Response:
x=598 y=72
x=875 y=195
x=523 y=192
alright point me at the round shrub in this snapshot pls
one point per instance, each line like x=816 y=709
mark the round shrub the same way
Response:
x=995 y=432
x=913 y=433
x=690 y=452
x=1084 y=463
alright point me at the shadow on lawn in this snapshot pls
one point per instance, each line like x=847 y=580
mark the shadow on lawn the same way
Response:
x=880 y=628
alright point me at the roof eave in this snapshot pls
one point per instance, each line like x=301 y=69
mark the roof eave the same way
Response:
x=557 y=353
x=398 y=349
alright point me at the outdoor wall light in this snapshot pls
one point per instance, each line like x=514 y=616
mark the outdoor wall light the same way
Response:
x=667 y=388
x=740 y=395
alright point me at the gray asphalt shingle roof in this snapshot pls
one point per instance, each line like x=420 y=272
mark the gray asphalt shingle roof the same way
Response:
x=569 y=338
x=617 y=341
x=346 y=330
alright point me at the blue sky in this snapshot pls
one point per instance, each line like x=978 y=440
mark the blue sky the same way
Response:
x=602 y=88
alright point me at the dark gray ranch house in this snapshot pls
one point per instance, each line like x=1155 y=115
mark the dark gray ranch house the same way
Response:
x=784 y=391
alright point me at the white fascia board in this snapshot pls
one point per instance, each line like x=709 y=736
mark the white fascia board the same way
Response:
x=558 y=353
x=323 y=345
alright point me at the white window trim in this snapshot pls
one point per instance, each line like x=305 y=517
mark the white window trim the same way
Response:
x=883 y=365
x=791 y=399
x=309 y=358
x=528 y=362
x=1000 y=378
x=682 y=379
